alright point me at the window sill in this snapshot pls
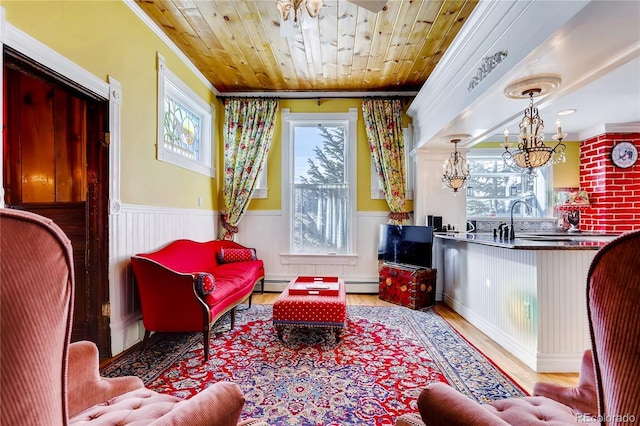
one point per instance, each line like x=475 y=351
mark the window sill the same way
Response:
x=318 y=259
x=194 y=166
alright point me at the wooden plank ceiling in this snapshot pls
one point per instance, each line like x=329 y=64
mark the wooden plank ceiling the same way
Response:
x=238 y=47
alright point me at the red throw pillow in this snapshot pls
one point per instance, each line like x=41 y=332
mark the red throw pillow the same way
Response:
x=228 y=255
x=205 y=283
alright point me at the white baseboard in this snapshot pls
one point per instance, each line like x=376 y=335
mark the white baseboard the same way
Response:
x=538 y=362
x=278 y=286
x=559 y=363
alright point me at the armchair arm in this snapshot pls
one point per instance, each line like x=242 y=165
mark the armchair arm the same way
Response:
x=441 y=405
x=167 y=297
x=583 y=398
x=410 y=419
x=220 y=404
x=85 y=387
x=252 y=422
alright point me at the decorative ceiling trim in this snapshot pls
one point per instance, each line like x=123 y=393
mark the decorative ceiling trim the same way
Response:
x=488 y=64
x=542 y=84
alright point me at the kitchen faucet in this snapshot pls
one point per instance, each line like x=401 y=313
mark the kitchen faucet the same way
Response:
x=502 y=229
x=512 y=230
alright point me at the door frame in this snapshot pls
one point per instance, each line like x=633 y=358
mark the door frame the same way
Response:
x=109 y=90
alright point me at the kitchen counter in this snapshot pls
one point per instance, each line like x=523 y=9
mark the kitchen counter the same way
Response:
x=524 y=241
x=527 y=294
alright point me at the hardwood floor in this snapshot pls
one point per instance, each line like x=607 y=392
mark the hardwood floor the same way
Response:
x=521 y=373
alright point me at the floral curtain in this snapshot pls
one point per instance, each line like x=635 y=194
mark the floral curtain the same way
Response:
x=248 y=129
x=383 y=121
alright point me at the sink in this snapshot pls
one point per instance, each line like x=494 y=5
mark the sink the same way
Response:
x=545 y=237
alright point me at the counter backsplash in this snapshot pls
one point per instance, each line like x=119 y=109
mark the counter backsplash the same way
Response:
x=526 y=225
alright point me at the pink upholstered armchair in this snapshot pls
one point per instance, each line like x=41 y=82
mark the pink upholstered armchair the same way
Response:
x=608 y=391
x=48 y=381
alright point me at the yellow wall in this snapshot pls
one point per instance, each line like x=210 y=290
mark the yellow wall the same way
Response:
x=565 y=174
x=107 y=39
x=568 y=174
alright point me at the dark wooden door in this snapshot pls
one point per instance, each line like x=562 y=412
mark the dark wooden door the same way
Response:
x=56 y=164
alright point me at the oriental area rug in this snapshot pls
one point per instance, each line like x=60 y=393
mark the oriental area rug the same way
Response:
x=371 y=376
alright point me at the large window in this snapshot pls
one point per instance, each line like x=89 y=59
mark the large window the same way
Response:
x=320 y=181
x=493 y=186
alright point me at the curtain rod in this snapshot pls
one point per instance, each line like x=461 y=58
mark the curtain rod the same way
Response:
x=402 y=97
x=315 y=95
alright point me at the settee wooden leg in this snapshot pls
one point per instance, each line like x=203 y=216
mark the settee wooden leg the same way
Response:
x=233 y=317
x=205 y=343
x=250 y=297
x=262 y=286
x=145 y=340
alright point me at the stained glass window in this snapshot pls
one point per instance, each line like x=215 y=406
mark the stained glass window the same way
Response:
x=185 y=123
x=181 y=129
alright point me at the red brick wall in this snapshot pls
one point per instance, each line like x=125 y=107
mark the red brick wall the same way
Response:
x=614 y=193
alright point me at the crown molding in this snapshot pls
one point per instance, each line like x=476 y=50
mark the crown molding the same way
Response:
x=318 y=95
x=170 y=44
x=605 y=128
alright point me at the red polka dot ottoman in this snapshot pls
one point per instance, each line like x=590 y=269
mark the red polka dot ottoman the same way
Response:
x=312 y=302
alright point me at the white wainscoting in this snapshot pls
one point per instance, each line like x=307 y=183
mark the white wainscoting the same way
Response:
x=562 y=303
x=531 y=302
x=138 y=229
x=264 y=230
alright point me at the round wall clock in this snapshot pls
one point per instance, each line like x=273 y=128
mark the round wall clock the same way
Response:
x=624 y=155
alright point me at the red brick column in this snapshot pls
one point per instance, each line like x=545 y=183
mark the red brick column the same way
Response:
x=614 y=193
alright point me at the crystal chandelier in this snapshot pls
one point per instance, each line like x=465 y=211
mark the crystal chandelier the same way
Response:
x=532 y=151
x=455 y=169
x=295 y=9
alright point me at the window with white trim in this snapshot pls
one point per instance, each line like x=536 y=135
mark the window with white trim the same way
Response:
x=320 y=182
x=494 y=185
x=185 y=124
x=261 y=190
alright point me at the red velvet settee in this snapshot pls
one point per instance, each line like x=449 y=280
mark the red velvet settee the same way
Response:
x=169 y=283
